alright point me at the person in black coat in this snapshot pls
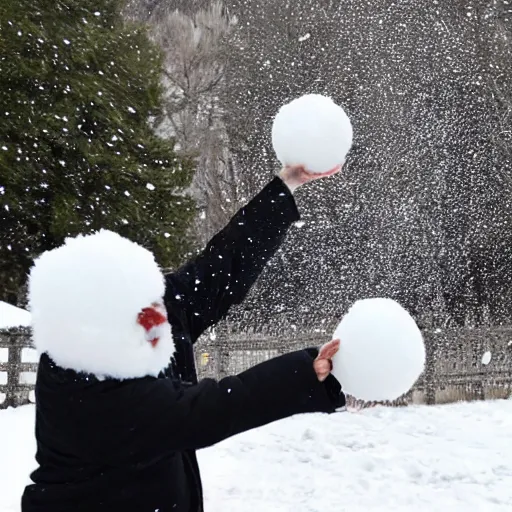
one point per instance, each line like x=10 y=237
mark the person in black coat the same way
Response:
x=117 y=427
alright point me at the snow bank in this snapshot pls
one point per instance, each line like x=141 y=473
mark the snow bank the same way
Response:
x=455 y=458
x=11 y=316
x=85 y=298
x=382 y=353
x=312 y=131
x=17 y=449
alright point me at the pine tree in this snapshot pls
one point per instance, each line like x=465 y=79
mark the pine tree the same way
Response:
x=78 y=88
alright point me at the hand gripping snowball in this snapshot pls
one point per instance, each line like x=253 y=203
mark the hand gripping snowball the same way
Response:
x=312 y=131
x=382 y=353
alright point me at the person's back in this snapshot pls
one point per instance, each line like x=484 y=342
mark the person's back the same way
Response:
x=100 y=448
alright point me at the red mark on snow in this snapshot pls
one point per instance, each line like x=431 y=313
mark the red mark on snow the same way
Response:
x=150 y=318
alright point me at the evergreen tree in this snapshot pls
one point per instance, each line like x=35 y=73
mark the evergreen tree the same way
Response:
x=78 y=87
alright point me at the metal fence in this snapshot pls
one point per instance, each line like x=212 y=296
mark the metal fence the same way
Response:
x=462 y=364
x=465 y=364
x=18 y=366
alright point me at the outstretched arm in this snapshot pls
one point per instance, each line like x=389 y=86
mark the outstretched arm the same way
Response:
x=212 y=411
x=203 y=290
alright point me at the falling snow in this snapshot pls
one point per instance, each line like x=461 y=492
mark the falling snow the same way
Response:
x=421 y=213
x=486 y=358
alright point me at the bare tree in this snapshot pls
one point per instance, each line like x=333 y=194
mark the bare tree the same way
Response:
x=194 y=74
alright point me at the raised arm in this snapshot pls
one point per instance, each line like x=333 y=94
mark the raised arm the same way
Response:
x=203 y=290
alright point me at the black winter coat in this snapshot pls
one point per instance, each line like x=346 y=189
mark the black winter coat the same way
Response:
x=130 y=445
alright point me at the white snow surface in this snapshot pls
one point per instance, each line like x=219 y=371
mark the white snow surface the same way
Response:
x=455 y=458
x=11 y=316
x=382 y=352
x=312 y=131
x=85 y=298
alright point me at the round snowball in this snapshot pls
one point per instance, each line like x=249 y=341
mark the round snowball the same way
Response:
x=312 y=131
x=382 y=352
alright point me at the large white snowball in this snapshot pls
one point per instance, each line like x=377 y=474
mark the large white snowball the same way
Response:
x=85 y=297
x=312 y=131
x=382 y=353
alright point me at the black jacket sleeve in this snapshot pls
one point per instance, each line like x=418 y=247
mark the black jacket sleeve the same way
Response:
x=202 y=291
x=205 y=414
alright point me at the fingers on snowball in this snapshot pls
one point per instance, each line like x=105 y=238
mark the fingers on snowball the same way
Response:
x=382 y=354
x=312 y=131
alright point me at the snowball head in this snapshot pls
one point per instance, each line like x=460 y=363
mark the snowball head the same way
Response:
x=381 y=354
x=85 y=298
x=312 y=131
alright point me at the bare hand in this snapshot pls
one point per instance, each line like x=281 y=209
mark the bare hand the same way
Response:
x=296 y=175
x=323 y=363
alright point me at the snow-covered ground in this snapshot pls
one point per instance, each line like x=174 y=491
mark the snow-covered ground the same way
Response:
x=11 y=316
x=455 y=458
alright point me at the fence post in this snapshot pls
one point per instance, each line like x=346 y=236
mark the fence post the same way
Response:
x=431 y=346
x=4 y=368
x=13 y=398
x=222 y=347
x=16 y=393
